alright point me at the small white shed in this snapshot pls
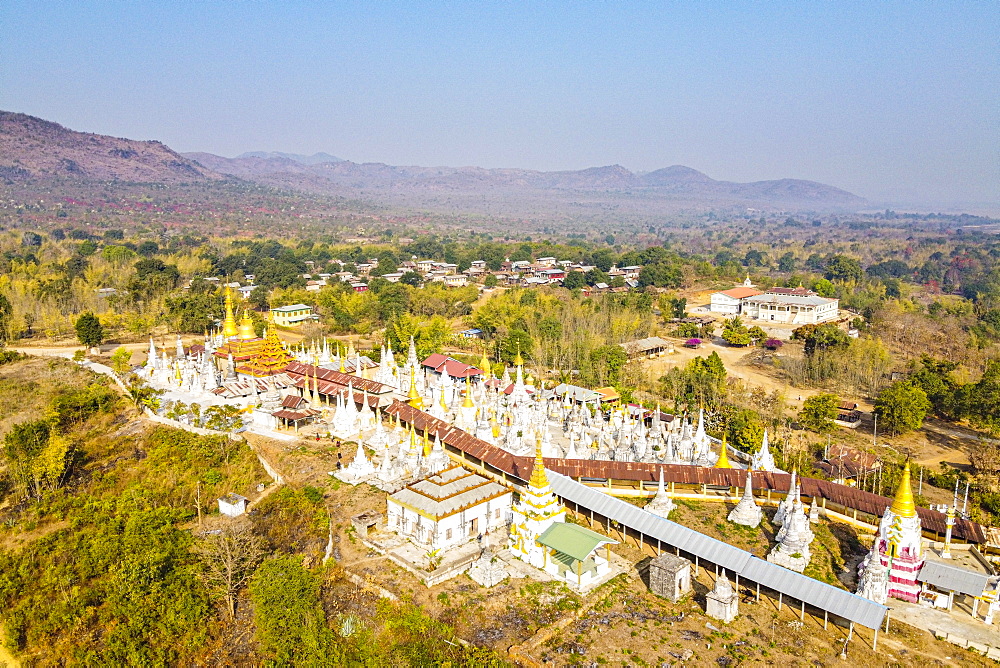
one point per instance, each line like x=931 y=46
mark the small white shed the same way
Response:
x=233 y=505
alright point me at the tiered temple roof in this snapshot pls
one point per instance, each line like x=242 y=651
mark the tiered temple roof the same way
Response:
x=271 y=359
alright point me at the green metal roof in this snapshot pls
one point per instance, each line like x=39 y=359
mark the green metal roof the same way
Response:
x=573 y=539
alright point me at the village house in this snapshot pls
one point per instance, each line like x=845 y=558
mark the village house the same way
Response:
x=292 y=316
x=730 y=302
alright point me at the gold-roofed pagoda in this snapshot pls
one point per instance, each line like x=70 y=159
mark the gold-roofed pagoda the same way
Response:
x=270 y=360
x=244 y=345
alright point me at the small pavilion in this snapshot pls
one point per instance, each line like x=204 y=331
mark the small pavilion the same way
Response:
x=574 y=554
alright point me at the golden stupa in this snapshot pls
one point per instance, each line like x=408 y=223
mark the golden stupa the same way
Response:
x=229 y=329
x=903 y=505
x=468 y=403
x=414 y=397
x=723 y=462
x=243 y=344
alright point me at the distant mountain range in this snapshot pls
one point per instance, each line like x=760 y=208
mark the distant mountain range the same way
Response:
x=314 y=159
x=674 y=182
x=32 y=148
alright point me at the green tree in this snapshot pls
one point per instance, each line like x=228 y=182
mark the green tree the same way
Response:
x=735 y=333
x=490 y=281
x=757 y=334
x=291 y=625
x=121 y=361
x=935 y=379
x=89 y=330
x=819 y=411
x=843 y=268
x=517 y=340
x=746 y=430
x=673 y=307
x=980 y=401
x=574 y=280
x=5 y=319
x=414 y=279
x=824 y=288
x=786 y=263
x=607 y=363
x=902 y=407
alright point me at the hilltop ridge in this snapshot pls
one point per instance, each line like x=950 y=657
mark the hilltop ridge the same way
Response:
x=31 y=147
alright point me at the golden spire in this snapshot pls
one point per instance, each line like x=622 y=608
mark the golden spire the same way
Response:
x=484 y=365
x=723 y=462
x=413 y=439
x=444 y=404
x=343 y=369
x=468 y=403
x=229 y=329
x=246 y=331
x=538 y=478
x=903 y=505
x=427 y=445
x=518 y=360
x=414 y=397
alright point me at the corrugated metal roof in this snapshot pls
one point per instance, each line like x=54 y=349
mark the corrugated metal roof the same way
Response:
x=953 y=578
x=800 y=587
x=574 y=540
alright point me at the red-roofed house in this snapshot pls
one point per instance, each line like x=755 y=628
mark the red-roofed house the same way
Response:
x=730 y=302
x=439 y=363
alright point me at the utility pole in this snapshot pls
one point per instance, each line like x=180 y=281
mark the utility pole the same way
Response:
x=875 y=430
x=965 y=503
x=920 y=485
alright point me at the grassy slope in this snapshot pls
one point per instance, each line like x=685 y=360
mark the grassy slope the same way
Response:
x=101 y=572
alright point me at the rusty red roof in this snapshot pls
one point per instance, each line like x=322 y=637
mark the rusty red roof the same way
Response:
x=843 y=495
x=299 y=371
x=454 y=368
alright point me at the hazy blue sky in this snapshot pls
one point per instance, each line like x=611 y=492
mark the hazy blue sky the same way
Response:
x=886 y=99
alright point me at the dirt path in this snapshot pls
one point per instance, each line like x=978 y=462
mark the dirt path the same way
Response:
x=733 y=359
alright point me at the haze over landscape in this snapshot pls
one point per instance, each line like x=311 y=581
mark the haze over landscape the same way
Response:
x=895 y=103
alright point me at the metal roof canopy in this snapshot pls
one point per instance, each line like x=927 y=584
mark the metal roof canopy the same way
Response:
x=953 y=578
x=573 y=540
x=839 y=602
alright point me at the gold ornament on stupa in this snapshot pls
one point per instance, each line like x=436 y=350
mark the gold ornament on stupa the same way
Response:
x=538 y=478
x=484 y=365
x=245 y=331
x=229 y=329
x=414 y=398
x=723 y=462
x=903 y=504
x=468 y=403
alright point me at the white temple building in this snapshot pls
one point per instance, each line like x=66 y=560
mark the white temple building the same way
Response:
x=448 y=508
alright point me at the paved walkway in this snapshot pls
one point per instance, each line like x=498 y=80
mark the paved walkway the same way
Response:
x=957 y=621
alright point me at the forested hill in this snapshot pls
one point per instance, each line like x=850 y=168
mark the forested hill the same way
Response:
x=32 y=147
